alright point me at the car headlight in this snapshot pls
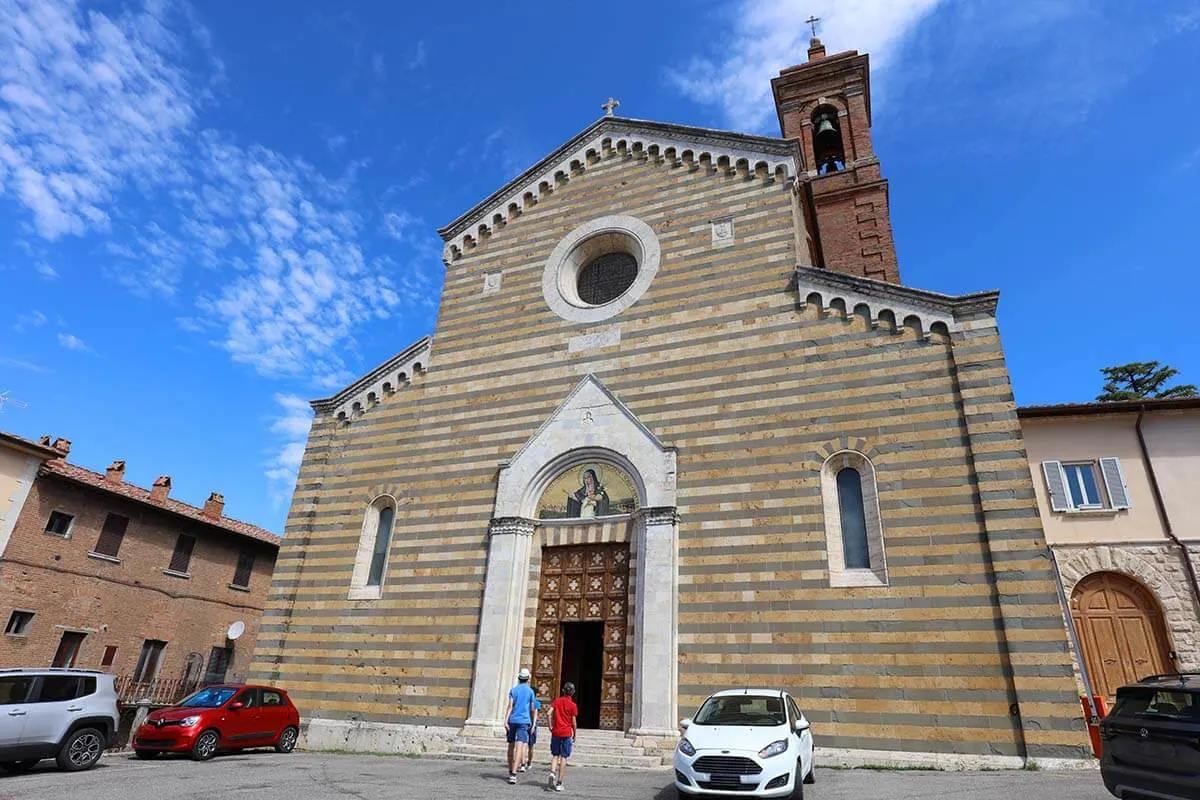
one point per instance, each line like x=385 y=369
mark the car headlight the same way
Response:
x=773 y=749
x=188 y=722
x=686 y=748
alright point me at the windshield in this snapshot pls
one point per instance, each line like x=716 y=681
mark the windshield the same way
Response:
x=208 y=698
x=1151 y=702
x=741 y=709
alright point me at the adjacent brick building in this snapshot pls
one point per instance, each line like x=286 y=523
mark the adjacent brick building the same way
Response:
x=100 y=573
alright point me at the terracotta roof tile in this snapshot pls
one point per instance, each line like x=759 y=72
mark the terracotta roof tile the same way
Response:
x=136 y=493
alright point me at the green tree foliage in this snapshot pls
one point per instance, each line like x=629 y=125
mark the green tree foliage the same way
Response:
x=1140 y=380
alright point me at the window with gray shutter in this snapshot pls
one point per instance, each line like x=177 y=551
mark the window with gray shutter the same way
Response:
x=1114 y=482
x=1057 y=486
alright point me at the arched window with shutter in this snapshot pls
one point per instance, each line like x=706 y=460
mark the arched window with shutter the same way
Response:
x=370 y=563
x=853 y=526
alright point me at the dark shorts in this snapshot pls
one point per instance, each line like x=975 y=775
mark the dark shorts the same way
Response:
x=561 y=746
x=518 y=732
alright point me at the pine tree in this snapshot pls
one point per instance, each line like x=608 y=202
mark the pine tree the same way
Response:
x=1141 y=380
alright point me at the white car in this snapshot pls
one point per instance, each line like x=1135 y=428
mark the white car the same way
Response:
x=66 y=714
x=752 y=742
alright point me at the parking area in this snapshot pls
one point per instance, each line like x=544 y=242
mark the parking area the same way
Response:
x=323 y=776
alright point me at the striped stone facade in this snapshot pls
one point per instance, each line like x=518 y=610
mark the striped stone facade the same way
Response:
x=752 y=371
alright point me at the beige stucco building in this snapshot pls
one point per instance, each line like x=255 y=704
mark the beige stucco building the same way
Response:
x=1118 y=485
x=19 y=462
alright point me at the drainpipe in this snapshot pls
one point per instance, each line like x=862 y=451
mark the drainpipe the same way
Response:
x=1090 y=694
x=1162 y=510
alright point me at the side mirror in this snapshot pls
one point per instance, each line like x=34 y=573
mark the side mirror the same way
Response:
x=236 y=706
x=685 y=723
x=802 y=725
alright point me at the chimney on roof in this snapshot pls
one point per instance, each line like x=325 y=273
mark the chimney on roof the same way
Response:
x=115 y=472
x=161 y=488
x=62 y=445
x=214 y=506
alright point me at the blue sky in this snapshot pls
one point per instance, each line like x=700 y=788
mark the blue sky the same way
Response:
x=211 y=213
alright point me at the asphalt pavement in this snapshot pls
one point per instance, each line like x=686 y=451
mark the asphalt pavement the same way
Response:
x=324 y=776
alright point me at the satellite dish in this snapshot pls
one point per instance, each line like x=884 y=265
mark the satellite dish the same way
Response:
x=236 y=629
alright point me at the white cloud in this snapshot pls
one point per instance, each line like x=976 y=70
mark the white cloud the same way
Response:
x=28 y=366
x=46 y=271
x=88 y=104
x=73 y=342
x=378 y=66
x=769 y=35
x=31 y=319
x=418 y=56
x=94 y=102
x=291 y=426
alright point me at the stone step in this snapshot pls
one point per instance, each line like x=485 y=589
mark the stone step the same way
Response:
x=578 y=759
x=501 y=747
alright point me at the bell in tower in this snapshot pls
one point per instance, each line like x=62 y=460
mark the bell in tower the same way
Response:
x=827 y=142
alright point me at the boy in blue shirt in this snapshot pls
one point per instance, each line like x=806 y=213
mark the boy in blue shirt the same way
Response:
x=519 y=717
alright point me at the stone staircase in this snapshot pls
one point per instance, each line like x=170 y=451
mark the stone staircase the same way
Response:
x=592 y=749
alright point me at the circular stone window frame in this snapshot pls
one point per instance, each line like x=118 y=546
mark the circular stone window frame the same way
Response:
x=613 y=233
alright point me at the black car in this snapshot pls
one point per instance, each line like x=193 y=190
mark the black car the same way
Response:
x=1151 y=740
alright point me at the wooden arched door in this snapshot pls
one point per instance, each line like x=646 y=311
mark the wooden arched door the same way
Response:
x=1121 y=630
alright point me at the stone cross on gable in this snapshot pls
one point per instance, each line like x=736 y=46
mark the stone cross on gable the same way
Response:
x=610 y=106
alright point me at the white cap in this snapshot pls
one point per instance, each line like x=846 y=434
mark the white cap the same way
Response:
x=523 y=675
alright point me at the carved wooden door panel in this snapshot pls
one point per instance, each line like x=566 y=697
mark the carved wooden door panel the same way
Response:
x=1121 y=631
x=586 y=583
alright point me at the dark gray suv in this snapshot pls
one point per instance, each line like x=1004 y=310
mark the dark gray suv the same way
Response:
x=1151 y=740
x=69 y=715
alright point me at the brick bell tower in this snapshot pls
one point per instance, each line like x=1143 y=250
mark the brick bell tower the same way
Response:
x=826 y=104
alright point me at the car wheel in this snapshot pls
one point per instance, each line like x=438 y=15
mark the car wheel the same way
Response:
x=147 y=754
x=16 y=767
x=811 y=777
x=205 y=746
x=287 y=740
x=798 y=783
x=81 y=750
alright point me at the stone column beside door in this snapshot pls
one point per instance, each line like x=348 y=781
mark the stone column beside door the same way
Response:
x=656 y=626
x=498 y=652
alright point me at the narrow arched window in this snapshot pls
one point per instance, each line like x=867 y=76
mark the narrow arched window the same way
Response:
x=374 y=541
x=853 y=525
x=854 y=519
x=383 y=537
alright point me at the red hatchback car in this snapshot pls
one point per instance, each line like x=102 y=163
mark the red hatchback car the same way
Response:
x=221 y=718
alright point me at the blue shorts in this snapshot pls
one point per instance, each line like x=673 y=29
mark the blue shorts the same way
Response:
x=518 y=732
x=561 y=746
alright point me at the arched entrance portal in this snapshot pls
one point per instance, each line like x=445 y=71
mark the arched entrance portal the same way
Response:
x=1121 y=631
x=592 y=474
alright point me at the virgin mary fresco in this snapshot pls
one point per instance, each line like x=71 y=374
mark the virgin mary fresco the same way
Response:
x=595 y=490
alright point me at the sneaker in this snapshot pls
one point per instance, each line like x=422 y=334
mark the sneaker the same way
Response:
x=558 y=787
x=512 y=777
x=521 y=768
x=552 y=781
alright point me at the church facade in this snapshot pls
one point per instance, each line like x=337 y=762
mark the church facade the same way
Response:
x=681 y=428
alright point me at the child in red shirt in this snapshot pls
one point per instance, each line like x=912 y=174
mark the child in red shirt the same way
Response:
x=562 y=735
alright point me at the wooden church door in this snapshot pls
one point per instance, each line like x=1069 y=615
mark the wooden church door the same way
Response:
x=581 y=623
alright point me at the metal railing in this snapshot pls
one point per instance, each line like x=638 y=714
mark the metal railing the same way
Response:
x=158 y=692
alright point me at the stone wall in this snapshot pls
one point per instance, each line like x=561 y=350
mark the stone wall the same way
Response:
x=721 y=361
